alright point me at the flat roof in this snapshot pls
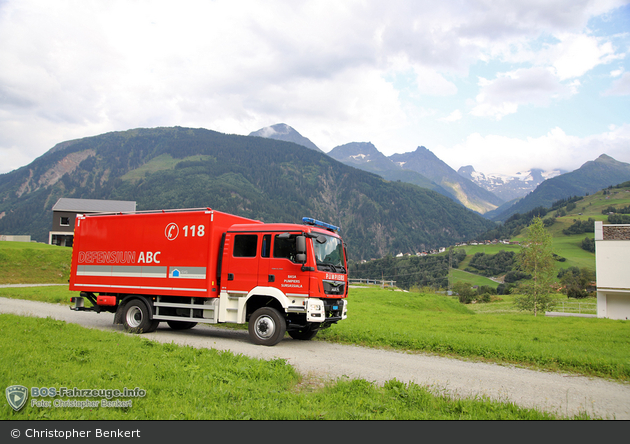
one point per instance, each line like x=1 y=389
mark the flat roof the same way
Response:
x=94 y=205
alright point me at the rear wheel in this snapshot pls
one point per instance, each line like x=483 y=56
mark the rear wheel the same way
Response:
x=181 y=325
x=137 y=318
x=267 y=326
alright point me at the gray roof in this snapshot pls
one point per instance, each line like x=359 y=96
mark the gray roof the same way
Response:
x=94 y=205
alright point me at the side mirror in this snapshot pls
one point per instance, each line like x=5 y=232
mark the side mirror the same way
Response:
x=300 y=246
x=300 y=258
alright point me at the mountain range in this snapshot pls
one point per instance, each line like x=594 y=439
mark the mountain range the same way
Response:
x=591 y=177
x=407 y=202
x=471 y=195
x=365 y=156
x=261 y=178
x=495 y=196
x=420 y=168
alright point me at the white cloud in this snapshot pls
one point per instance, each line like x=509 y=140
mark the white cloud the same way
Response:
x=576 y=54
x=73 y=69
x=620 y=87
x=453 y=117
x=503 y=95
x=556 y=149
x=430 y=82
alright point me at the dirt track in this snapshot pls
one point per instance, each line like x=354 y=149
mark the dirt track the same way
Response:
x=556 y=392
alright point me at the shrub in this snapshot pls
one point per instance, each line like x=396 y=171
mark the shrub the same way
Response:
x=588 y=244
x=465 y=292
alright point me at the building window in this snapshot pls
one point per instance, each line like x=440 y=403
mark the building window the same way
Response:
x=65 y=221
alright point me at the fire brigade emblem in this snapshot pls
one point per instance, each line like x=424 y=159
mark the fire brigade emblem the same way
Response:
x=172 y=231
x=17 y=396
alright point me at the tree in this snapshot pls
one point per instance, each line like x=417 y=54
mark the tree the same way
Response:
x=575 y=281
x=536 y=258
x=464 y=291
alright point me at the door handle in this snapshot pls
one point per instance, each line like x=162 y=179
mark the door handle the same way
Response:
x=230 y=276
x=271 y=278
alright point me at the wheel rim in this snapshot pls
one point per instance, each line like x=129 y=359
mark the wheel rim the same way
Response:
x=265 y=327
x=134 y=317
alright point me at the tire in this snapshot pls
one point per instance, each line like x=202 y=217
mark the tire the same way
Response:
x=267 y=326
x=181 y=325
x=304 y=334
x=137 y=318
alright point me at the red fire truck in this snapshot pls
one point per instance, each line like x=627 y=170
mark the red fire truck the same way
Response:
x=203 y=266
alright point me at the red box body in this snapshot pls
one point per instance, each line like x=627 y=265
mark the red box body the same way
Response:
x=165 y=253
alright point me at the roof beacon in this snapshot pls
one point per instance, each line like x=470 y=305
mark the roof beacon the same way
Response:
x=318 y=223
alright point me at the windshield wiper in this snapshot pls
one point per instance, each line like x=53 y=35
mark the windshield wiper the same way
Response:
x=333 y=267
x=327 y=265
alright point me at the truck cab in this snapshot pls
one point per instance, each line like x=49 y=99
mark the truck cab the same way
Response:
x=298 y=270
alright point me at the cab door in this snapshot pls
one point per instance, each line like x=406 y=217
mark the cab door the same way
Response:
x=264 y=278
x=242 y=272
x=284 y=270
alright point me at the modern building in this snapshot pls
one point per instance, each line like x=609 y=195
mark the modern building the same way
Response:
x=65 y=212
x=612 y=261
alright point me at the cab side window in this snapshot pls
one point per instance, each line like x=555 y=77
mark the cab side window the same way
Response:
x=265 y=249
x=245 y=245
x=284 y=248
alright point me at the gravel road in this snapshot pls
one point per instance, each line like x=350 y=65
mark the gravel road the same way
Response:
x=555 y=392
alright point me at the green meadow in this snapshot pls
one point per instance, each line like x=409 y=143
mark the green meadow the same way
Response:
x=417 y=322
x=185 y=383
x=32 y=263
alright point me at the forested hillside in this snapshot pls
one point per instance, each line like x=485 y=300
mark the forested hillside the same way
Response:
x=264 y=179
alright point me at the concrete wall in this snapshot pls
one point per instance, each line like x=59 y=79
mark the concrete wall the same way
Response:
x=15 y=238
x=612 y=260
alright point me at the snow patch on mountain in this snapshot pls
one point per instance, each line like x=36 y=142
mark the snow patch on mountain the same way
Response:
x=509 y=187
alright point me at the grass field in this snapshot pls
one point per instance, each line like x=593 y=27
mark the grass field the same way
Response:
x=52 y=294
x=493 y=331
x=184 y=383
x=159 y=163
x=30 y=262
x=439 y=324
x=471 y=278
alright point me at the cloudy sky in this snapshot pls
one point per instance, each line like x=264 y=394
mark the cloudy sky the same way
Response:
x=502 y=85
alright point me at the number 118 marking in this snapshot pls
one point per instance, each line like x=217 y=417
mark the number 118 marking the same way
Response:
x=195 y=230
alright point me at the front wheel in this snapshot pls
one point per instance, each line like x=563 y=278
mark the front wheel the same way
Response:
x=137 y=318
x=267 y=326
x=304 y=334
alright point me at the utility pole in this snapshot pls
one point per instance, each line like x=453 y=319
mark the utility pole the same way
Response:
x=450 y=267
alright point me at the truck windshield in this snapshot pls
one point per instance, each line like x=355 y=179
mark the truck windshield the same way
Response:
x=329 y=255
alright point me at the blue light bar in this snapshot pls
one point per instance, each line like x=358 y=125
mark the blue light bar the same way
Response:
x=319 y=223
